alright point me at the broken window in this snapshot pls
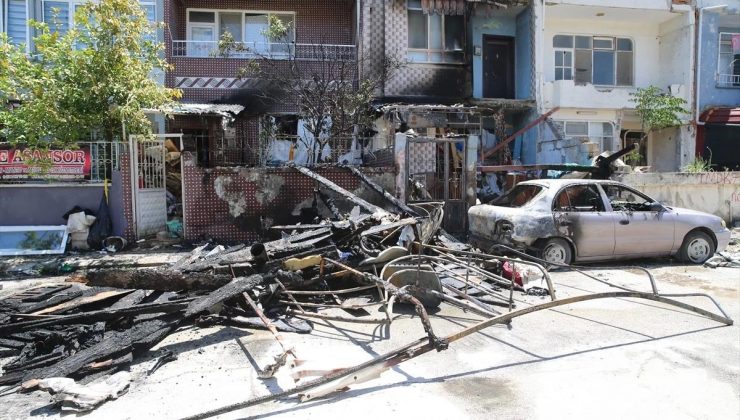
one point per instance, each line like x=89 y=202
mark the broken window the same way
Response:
x=518 y=196
x=728 y=66
x=599 y=132
x=626 y=199
x=579 y=198
x=434 y=38
x=606 y=61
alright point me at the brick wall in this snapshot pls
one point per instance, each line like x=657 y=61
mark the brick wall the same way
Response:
x=317 y=22
x=234 y=204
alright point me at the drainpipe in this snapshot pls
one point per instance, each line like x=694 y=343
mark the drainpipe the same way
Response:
x=699 y=31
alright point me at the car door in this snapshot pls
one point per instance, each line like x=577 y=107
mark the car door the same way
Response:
x=580 y=214
x=640 y=228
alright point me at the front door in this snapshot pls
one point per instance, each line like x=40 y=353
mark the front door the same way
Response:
x=498 y=67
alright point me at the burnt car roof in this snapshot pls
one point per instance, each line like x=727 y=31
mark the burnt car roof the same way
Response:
x=557 y=183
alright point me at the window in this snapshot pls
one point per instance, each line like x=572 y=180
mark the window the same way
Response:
x=16 y=21
x=434 y=38
x=600 y=60
x=205 y=27
x=728 y=67
x=626 y=199
x=59 y=14
x=601 y=133
x=579 y=198
x=518 y=196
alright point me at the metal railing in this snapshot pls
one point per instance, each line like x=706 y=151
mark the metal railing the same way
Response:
x=728 y=80
x=272 y=50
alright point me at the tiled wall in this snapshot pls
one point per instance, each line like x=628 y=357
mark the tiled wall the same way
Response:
x=317 y=22
x=234 y=204
x=385 y=31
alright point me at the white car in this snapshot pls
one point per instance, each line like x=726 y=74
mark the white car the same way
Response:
x=568 y=220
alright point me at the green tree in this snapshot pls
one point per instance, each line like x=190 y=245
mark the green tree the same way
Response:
x=94 y=78
x=658 y=109
x=321 y=82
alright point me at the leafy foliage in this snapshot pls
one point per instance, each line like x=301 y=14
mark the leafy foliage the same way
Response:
x=700 y=165
x=657 y=109
x=94 y=78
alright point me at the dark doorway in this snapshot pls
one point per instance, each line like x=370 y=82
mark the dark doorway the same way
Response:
x=498 y=67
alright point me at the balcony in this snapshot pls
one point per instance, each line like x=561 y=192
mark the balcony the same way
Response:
x=728 y=80
x=271 y=50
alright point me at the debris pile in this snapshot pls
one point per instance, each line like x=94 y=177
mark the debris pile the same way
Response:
x=335 y=269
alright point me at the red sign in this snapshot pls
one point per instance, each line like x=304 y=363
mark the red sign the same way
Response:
x=22 y=164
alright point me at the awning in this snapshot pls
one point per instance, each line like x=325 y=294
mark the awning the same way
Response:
x=224 y=110
x=721 y=116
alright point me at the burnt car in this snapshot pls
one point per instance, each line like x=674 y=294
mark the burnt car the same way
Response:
x=568 y=220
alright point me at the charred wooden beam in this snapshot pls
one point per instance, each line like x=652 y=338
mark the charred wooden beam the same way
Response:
x=234 y=288
x=329 y=203
x=92 y=316
x=380 y=190
x=152 y=279
x=372 y=208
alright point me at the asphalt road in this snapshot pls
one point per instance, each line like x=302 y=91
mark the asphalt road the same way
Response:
x=606 y=359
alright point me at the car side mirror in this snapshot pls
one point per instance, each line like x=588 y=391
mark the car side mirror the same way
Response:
x=654 y=206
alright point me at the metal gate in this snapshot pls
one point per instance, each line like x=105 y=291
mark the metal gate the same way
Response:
x=436 y=171
x=148 y=183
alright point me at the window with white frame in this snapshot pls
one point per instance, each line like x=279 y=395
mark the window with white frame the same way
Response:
x=728 y=66
x=16 y=19
x=599 y=132
x=59 y=14
x=600 y=60
x=205 y=27
x=434 y=38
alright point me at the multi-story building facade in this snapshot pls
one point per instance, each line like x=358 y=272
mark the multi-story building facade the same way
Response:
x=507 y=62
x=592 y=56
x=717 y=99
x=319 y=33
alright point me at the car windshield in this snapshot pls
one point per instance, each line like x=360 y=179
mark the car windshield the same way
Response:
x=518 y=196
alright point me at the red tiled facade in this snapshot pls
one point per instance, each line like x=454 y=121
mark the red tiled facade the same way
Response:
x=316 y=22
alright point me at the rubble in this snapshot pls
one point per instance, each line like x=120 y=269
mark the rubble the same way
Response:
x=372 y=257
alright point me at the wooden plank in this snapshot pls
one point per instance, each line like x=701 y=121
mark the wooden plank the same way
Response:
x=76 y=303
x=235 y=288
x=372 y=208
x=152 y=279
x=93 y=316
x=386 y=195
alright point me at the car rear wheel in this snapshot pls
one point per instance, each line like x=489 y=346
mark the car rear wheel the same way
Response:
x=697 y=247
x=557 y=251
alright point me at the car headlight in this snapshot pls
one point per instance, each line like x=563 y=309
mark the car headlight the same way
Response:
x=722 y=222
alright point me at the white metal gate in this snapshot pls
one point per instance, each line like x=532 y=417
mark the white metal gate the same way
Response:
x=438 y=165
x=148 y=183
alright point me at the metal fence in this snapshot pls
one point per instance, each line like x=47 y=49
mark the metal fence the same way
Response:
x=272 y=50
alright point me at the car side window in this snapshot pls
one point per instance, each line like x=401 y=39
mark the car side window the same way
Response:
x=578 y=198
x=625 y=199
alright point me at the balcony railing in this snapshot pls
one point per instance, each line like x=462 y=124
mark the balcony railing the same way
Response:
x=272 y=50
x=728 y=80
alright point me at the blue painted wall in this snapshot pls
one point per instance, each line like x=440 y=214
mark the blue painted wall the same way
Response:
x=709 y=94
x=481 y=25
x=524 y=65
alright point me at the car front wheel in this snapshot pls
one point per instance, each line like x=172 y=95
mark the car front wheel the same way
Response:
x=697 y=247
x=557 y=251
